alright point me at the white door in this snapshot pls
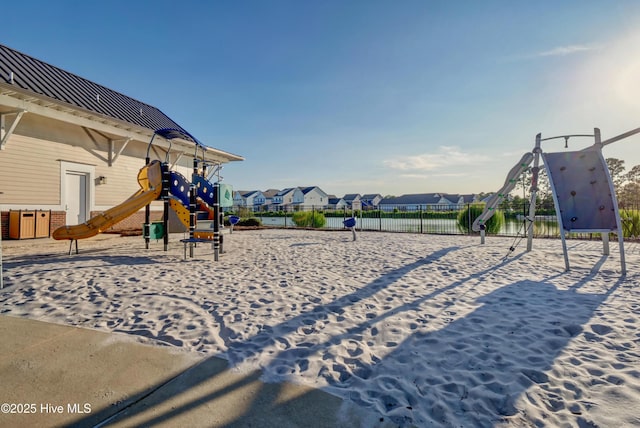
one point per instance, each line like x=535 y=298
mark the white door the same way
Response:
x=76 y=192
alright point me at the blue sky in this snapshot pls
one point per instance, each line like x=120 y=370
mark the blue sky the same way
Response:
x=387 y=97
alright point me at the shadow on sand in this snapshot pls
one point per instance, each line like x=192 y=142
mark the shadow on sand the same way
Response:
x=479 y=377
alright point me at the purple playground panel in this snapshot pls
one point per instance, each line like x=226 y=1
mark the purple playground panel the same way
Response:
x=180 y=187
x=582 y=189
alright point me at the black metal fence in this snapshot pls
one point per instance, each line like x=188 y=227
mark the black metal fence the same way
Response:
x=433 y=219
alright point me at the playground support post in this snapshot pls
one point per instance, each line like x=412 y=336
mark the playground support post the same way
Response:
x=216 y=220
x=192 y=204
x=605 y=239
x=147 y=211
x=166 y=184
x=534 y=190
x=605 y=235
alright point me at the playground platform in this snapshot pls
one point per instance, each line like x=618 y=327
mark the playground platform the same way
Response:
x=55 y=375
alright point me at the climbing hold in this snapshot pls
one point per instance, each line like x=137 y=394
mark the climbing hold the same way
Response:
x=573 y=193
x=601 y=207
x=574 y=218
x=562 y=168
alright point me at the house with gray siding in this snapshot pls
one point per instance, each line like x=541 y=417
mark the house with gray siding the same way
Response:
x=288 y=199
x=353 y=201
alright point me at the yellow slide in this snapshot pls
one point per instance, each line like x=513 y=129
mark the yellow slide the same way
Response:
x=150 y=181
x=183 y=215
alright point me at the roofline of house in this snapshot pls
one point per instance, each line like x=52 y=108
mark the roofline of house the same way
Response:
x=30 y=102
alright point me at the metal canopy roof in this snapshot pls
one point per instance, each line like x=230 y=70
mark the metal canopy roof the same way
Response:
x=27 y=73
x=171 y=133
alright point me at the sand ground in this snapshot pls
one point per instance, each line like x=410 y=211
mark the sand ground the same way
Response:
x=422 y=330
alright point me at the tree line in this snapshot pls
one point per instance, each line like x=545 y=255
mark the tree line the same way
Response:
x=626 y=185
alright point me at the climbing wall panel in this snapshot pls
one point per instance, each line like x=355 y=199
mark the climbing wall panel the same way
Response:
x=581 y=184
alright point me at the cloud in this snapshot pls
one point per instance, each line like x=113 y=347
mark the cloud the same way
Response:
x=445 y=157
x=432 y=176
x=566 y=50
x=559 y=51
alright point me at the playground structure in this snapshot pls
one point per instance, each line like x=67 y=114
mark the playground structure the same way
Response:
x=583 y=191
x=158 y=182
x=1 y=267
x=150 y=181
x=350 y=223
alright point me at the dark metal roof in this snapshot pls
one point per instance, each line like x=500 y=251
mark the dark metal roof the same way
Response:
x=171 y=133
x=32 y=75
x=285 y=191
x=351 y=197
x=371 y=196
x=306 y=190
x=413 y=199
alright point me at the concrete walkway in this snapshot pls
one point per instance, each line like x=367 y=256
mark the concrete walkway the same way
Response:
x=53 y=375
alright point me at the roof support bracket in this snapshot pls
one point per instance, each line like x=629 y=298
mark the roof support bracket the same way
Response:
x=113 y=156
x=178 y=156
x=4 y=133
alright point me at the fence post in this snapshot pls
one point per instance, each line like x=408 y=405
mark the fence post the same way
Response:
x=420 y=218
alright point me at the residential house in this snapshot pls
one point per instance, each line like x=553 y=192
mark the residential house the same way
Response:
x=73 y=147
x=470 y=198
x=353 y=201
x=335 y=203
x=371 y=201
x=422 y=201
x=450 y=199
x=248 y=199
x=238 y=198
x=288 y=199
x=314 y=198
x=258 y=199
x=268 y=197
